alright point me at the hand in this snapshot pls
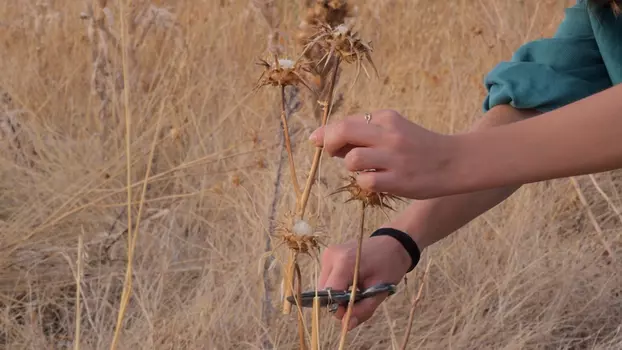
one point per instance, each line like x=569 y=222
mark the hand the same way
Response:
x=410 y=161
x=383 y=260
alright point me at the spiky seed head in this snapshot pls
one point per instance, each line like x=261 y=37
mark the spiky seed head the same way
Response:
x=300 y=236
x=284 y=72
x=368 y=198
x=343 y=42
x=323 y=13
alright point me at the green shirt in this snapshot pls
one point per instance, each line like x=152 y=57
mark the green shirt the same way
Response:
x=582 y=58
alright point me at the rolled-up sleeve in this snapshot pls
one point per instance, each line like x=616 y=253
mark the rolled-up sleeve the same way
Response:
x=549 y=73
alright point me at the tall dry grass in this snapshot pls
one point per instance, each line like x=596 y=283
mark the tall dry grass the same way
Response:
x=532 y=273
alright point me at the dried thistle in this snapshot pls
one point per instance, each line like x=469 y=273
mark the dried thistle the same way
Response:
x=298 y=235
x=368 y=198
x=330 y=12
x=327 y=40
x=301 y=237
x=284 y=72
x=319 y=13
x=345 y=43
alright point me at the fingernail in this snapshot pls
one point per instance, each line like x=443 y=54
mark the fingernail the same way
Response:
x=313 y=137
x=353 y=323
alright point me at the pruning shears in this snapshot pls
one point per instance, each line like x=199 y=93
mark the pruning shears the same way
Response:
x=333 y=299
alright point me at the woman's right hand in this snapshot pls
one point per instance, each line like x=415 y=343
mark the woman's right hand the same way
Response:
x=383 y=260
x=409 y=161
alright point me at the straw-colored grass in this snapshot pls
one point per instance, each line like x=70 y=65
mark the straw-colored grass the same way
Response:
x=537 y=272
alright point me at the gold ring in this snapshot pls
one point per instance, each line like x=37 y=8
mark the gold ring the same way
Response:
x=368 y=117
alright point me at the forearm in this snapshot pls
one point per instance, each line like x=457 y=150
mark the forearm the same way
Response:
x=580 y=138
x=429 y=221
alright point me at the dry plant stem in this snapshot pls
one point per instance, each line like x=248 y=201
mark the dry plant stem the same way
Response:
x=301 y=326
x=127 y=285
x=315 y=324
x=413 y=306
x=287 y=282
x=288 y=145
x=267 y=305
x=128 y=278
x=131 y=233
x=592 y=218
x=78 y=291
x=318 y=152
x=357 y=263
x=606 y=197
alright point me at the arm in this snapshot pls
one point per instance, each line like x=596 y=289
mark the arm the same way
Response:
x=385 y=260
x=580 y=138
x=429 y=221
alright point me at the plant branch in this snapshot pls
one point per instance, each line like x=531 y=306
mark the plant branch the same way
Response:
x=288 y=145
x=301 y=325
x=315 y=324
x=357 y=263
x=318 y=152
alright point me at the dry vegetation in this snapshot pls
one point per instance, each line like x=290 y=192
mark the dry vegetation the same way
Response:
x=538 y=272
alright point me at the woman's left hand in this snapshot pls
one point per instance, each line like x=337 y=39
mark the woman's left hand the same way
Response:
x=409 y=161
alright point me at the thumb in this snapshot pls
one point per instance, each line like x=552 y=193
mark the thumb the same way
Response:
x=317 y=137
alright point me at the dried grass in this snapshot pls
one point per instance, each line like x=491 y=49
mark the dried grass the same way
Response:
x=531 y=274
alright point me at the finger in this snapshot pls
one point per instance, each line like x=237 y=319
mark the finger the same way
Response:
x=343 y=151
x=346 y=133
x=360 y=159
x=361 y=311
x=341 y=311
x=324 y=273
x=339 y=279
x=364 y=310
x=378 y=181
x=379 y=118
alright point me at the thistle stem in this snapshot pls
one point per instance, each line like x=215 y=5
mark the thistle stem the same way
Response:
x=318 y=152
x=357 y=263
x=288 y=281
x=315 y=324
x=288 y=145
x=301 y=326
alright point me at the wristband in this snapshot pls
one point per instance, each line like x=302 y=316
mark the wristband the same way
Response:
x=407 y=242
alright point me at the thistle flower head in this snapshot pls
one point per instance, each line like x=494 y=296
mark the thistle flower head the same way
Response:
x=322 y=13
x=299 y=235
x=341 y=41
x=368 y=198
x=284 y=72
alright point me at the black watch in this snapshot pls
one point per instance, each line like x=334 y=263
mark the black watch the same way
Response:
x=407 y=242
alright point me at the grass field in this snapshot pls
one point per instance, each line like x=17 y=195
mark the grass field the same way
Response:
x=203 y=153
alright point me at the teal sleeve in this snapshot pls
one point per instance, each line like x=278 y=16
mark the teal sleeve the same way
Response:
x=549 y=73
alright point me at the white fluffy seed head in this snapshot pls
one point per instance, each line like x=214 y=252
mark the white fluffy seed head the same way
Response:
x=302 y=228
x=341 y=29
x=285 y=63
